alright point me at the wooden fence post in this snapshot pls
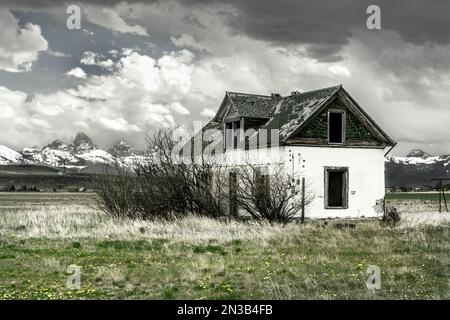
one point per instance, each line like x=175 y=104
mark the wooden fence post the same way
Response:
x=303 y=200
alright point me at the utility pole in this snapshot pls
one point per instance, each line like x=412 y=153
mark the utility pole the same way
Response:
x=442 y=193
x=302 y=219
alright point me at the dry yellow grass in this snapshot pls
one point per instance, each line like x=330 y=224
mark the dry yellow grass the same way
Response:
x=83 y=221
x=198 y=258
x=78 y=221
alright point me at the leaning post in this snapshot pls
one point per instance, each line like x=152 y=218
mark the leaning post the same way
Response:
x=303 y=201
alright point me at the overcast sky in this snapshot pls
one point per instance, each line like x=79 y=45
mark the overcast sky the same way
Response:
x=137 y=65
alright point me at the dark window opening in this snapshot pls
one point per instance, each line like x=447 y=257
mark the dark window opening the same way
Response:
x=236 y=134
x=335 y=130
x=336 y=188
x=228 y=134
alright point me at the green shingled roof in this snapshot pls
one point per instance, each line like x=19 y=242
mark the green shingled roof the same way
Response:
x=283 y=113
x=293 y=110
x=287 y=114
x=252 y=105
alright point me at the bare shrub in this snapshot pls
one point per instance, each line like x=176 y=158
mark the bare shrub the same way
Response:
x=171 y=186
x=161 y=186
x=391 y=217
x=117 y=193
x=164 y=187
x=274 y=197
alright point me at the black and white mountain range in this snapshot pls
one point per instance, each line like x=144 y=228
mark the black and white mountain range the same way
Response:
x=416 y=169
x=81 y=152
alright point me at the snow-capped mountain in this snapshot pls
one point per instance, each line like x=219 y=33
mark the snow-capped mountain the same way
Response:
x=9 y=156
x=82 y=143
x=417 y=153
x=79 y=153
x=97 y=156
x=122 y=149
x=60 y=158
x=58 y=145
x=416 y=169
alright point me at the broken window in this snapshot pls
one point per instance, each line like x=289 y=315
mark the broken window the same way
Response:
x=336 y=127
x=336 y=188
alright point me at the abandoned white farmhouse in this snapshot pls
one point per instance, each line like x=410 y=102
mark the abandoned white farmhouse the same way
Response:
x=322 y=135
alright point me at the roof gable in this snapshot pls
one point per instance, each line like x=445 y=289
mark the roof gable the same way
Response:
x=353 y=107
x=364 y=116
x=292 y=113
x=356 y=132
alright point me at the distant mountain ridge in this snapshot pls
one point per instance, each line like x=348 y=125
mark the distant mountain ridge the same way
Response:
x=416 y=169
x=81 y=152
x=417 y=153
x=122 y=149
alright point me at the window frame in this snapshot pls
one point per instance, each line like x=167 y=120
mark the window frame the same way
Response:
x=343 y=125
x=345 y=189
x=234 y=140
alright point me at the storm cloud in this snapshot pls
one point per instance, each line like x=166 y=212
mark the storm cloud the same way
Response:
x=325 y=25
x=202 y=48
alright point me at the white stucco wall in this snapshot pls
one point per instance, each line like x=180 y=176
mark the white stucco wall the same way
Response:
x=365 y=174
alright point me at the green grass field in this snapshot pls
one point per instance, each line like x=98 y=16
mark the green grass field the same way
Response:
x=28 y=169
x=198 y=258
x=433 y=196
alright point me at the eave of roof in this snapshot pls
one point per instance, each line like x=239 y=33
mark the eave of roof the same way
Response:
x=291 y=113
x=294 y=110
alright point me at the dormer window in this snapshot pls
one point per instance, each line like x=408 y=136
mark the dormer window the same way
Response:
x=236 y=134
x=336 y=126
x=233 y=135
x=228 y=135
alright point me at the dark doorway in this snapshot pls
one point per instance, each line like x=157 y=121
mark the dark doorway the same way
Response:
x=335 y=130
x=336 y=188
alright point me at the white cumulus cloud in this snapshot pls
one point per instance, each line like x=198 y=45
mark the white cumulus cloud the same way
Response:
x=339 y=70
x=19 y=46
x=207 y=113
x=6 y=111
x=188 y=41
x=77 y=73
x=110 y=19
x=41 y=123
x=95 y=59
x=116 y=124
